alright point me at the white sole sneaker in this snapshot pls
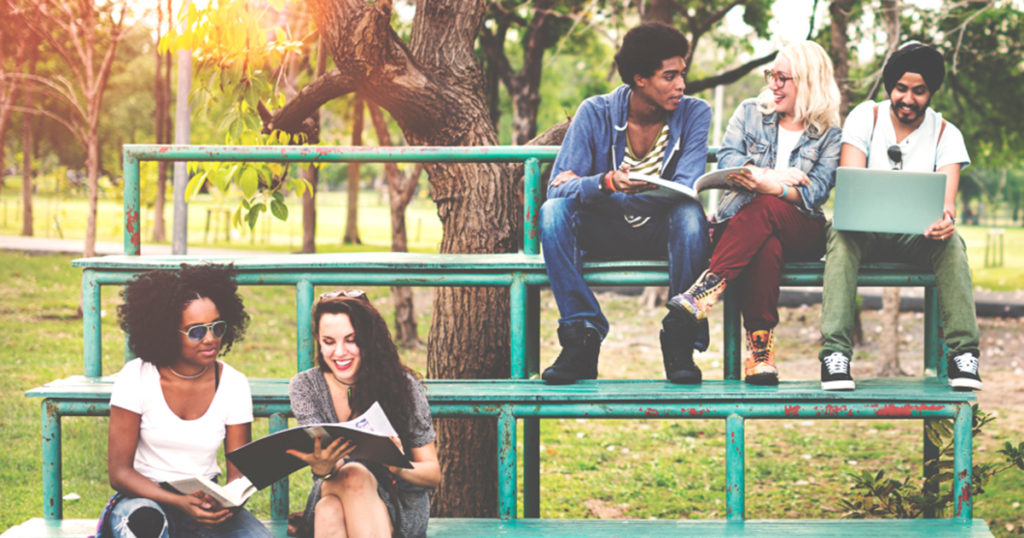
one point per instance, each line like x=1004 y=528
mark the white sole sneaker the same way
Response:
x=843 y=384
x=965 y=383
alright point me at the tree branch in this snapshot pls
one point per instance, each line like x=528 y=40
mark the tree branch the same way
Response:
x=729 y=76
x=292 y=117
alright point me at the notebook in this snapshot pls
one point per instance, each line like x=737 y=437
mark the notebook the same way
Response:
x=889 y=201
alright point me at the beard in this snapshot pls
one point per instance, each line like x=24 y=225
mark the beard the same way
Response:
x=917 y=112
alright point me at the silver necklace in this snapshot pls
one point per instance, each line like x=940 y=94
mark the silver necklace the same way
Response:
x=193 y=376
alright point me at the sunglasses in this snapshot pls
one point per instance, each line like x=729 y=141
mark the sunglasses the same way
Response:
x=197 y=332
x=355 y=294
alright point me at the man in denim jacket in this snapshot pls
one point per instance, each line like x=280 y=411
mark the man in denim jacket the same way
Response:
x=648 y=126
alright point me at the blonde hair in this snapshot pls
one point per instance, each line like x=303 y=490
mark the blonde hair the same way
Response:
x=817 y=95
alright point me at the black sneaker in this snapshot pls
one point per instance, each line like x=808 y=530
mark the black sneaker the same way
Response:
x=963 y=372
x=677 y=337
x=835 y=372
x=581 y=346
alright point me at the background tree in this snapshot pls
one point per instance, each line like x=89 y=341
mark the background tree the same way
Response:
x=85 y=37
x=433 y=87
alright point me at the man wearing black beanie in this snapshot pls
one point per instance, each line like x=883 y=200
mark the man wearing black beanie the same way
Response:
x=904 y=133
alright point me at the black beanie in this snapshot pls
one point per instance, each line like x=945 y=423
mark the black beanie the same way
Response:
x=915 y=58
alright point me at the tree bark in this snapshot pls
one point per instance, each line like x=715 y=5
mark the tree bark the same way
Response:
x=890 y=319
x=162 y=93
x=400 y=191
x=889 y=340
x=434 y=89
x=840 y=50
x=352 y=215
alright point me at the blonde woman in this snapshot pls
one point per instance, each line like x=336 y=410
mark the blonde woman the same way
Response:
x=789 y=137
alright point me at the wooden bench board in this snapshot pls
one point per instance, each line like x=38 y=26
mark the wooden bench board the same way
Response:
x=922 y=390
x=868 y=528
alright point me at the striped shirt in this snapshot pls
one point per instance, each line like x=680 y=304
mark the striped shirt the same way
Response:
x=647 y=164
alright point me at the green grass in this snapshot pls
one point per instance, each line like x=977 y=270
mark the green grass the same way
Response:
x=56 y=216
x=591 y=468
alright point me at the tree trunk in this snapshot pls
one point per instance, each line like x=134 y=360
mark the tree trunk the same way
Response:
x=889 y=340
x=162 y=91
x=400 y=191
x=890 y=319
x=352 y=215
x=311 y=172
x=840 y=52
x=433 y=88
x=27 y=227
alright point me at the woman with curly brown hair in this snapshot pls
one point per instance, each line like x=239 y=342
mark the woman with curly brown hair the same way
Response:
x=358 y=364
x=174 y=406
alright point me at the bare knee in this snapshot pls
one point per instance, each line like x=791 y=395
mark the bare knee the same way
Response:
x=330 y=509
x=355 y=479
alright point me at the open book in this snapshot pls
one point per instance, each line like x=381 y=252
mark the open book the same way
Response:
x=264 y=460
x=230 y=495
x=716 y=179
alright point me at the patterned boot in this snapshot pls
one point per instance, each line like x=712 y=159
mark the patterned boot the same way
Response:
x=702 y=295
x=760 y=366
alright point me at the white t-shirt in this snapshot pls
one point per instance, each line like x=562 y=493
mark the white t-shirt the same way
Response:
x=922 y=150
x=785 y=146
x=170 y=447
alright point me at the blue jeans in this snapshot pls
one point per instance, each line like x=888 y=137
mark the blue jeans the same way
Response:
x=570 y=232
x=241 y=525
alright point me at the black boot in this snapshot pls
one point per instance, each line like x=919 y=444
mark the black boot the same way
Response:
x=677 y=338
x=578 y=360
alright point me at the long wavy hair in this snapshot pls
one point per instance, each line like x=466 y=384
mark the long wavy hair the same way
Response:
x=154 y=301
x=817 y=95
x=381 y=377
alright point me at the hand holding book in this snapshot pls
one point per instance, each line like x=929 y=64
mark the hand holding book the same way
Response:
x=323 y=460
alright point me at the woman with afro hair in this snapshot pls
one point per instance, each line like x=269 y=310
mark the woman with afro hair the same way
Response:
x=174 y=406
x=358 y=364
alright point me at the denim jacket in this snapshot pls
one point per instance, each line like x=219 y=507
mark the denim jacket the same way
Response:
x=596 y=143
x=751 y=138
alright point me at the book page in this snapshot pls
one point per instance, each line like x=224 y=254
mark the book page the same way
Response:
x=666 y=188
x=719 y=179
x=188 y=486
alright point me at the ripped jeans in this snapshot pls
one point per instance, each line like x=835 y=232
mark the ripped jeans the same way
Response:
x=175 y=523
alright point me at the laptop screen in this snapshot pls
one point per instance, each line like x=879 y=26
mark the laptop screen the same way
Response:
x=887 y=201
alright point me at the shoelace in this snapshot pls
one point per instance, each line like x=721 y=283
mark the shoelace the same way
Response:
x=836 y=363
x=966 y=363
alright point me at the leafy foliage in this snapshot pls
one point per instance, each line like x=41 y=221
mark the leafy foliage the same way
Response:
x=875 y=495
x=239 y=49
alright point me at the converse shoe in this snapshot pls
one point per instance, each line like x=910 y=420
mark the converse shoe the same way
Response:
x=835 y=372
x=581 y=346
x=701 y=296
x=760 y=367
x=963 y=372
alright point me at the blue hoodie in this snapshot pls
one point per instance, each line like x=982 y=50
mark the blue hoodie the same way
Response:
x=596 y=143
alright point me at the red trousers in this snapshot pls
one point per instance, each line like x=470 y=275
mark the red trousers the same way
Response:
x=751 y=247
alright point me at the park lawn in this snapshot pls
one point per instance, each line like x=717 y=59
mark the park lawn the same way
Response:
x=590 y=468
x=65 y=216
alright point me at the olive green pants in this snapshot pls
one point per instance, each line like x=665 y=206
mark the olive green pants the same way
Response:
x=947 y=259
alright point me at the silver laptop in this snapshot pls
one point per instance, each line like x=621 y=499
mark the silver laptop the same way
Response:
x=889 y=201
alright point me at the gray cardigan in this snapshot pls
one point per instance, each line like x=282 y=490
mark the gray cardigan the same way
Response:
x=311 y=403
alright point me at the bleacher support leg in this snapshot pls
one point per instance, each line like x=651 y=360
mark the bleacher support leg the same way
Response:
x=53 y=489
x=92 y=350
x=279 y=490
x=734 y=468
x=304 y=324
x=732 y=332
x=531 y=426
x=962 y=464
x=506 y=464
x=932 y=345
x=930 y=452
